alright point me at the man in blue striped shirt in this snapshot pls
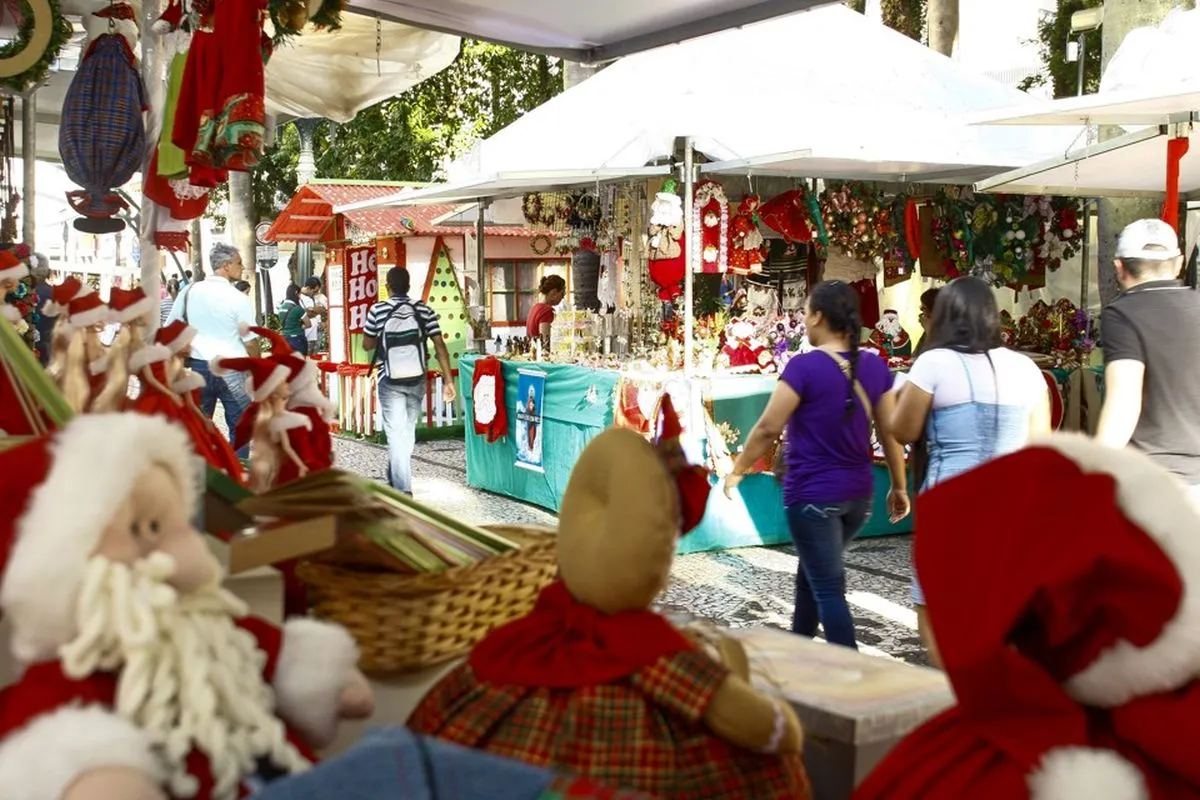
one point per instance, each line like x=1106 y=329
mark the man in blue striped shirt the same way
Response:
x=398 y=330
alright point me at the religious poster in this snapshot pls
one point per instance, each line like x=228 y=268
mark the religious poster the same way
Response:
x=531 y=395
x=361 y=286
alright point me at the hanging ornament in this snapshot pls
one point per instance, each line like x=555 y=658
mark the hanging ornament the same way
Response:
x=710 y=220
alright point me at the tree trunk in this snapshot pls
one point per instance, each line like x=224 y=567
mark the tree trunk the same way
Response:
x=196 y=235
x=1120 y=17
x=942 y=18
x=241 y=225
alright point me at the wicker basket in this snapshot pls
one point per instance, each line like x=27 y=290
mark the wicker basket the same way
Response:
x=405 y=623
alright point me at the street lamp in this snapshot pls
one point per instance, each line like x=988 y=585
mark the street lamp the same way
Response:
x=1082 y=22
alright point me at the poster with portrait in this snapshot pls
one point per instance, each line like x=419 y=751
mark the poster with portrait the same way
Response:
x=531 y=393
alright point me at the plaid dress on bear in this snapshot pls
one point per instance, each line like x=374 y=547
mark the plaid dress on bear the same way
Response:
x=645 y=733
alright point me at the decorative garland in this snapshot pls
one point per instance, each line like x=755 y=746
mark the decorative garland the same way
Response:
x=540 y=245
x=60 y=33
x=330 y=16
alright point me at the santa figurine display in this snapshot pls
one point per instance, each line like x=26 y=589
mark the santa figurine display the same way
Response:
x=743 y=351
x=710 y=218
x=304 y=398
x=1068 y=632
x=747 y=247
x=276 y=436
x=143 y=679
x=889 y=337
x=667 y=256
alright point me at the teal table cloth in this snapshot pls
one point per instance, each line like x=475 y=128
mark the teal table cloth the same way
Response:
x=578 y=404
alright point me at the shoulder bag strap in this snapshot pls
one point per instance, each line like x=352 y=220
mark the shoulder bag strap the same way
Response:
x=187 y=295
x=859 y=391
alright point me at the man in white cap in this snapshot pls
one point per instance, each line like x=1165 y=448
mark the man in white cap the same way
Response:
x=1151 y=338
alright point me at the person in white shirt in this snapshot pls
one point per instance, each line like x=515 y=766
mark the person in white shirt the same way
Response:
x=315 y=305
x=219 y=312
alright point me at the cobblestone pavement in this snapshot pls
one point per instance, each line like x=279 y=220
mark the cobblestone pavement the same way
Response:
x=735 y=588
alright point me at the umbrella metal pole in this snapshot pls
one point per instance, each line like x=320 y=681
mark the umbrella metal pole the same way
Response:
x=689 y=180
x=152 y=79
x=1086 y=252
x=481 y=269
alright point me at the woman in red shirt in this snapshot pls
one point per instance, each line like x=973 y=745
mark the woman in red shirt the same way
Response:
x=553 y=289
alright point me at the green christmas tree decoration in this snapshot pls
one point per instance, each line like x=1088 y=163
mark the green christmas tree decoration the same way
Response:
x=445 y=296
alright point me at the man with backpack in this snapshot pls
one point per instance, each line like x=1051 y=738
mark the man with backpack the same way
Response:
x=398 y=330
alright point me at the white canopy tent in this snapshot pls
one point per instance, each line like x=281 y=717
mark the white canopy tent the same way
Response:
x=908 y=115
x=590 y=32
x=1154 y=106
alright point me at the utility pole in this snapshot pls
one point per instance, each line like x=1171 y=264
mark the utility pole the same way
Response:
x=1121 y=17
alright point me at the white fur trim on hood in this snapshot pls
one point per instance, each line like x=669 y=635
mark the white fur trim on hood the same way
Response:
x=188 y=382
x=184 y=339
x=277 y=378
x=42 y=760
x=1076 y=773
x=315 y=665
x=97 y=458
x=139 y=309
x=1158 y=504
x=289 y=420
x=17 y=273
x=94 y=316
x=150 y=354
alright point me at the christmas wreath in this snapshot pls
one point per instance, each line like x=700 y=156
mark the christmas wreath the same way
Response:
x=540 y=245
x=41 y=36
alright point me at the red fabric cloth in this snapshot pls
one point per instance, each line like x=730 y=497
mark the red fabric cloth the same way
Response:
x=289 y=471
x=320 y=440
x=868 y=302
x=565 y=644
x=14 y=421
x=1177 y=148
x=541 y=312
x=497 y=428
x=44 y=689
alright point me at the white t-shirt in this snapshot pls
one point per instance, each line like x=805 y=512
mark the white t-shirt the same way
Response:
x=216 y=310
x=313 y=331
x=950 y=377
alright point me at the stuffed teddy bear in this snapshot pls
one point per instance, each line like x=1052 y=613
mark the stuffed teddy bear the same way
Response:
x=592 y=682
x=1068 y=632
x=143 y=678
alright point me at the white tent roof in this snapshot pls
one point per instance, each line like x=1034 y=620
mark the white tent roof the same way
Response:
x=321 y=74
x=1130 y=165
x=1154 y=106
x=595 y=31
x=773 y=88
x=502 y=185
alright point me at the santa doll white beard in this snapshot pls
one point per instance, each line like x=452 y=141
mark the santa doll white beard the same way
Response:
x=188 y=676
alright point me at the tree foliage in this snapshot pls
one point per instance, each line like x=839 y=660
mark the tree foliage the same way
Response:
x=413 y=136
x=1054 y=32
x=905 y=16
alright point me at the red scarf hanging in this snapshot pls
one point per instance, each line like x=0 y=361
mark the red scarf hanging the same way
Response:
x=564 y=644
x=1177 y=148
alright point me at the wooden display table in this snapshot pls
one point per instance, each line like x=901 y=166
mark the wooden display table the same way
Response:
x=854 y=707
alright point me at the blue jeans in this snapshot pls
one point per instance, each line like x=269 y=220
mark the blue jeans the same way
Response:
x=298 y=343
x=230 y=390
x=401 y=409
x=392 y=763
x=821 y=532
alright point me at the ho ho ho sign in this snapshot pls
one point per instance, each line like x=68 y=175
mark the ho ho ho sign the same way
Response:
x=360 y=285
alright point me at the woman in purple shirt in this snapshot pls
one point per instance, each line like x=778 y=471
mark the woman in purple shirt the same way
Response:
x=827 y=487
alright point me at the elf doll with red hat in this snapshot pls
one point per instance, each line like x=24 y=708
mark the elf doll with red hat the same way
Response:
x=142 y=678
x=592 y=682
x=81 y=378
x=1069 y=630
x=304 y=397
x=266 y=424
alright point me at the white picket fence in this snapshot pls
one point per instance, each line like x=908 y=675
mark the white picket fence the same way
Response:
x=352 y=391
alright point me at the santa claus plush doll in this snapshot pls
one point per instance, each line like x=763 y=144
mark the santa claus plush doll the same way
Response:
x=1068 y=631
x=143 y=679
x=668 y=251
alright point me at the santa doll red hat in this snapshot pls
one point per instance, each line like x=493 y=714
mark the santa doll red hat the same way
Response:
x=12 y=269
x=176 y=337
x=306 y=395
x=139 y=670
x=1069 y=626
x=129 y=304
x=263 y=375
x=62 y=294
